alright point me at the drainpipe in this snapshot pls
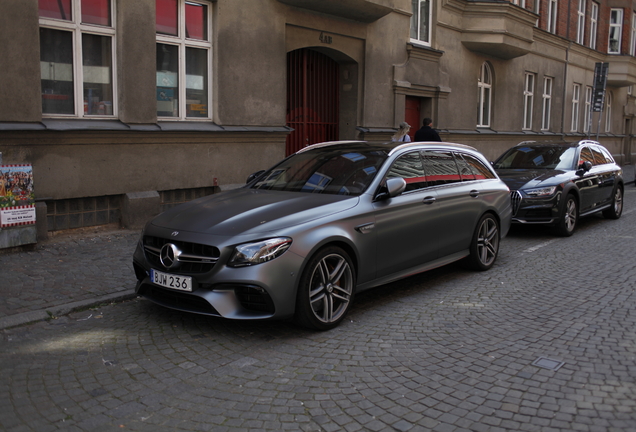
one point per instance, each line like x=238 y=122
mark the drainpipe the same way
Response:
x=565 y=89
x=565 y=72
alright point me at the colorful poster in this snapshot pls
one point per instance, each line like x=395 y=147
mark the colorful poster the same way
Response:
x=17 y=199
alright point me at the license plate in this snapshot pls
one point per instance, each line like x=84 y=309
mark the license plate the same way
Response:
x=182 y=283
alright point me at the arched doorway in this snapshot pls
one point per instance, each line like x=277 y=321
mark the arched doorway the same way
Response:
x=312 y=98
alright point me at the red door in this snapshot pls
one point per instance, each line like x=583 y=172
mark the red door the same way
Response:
x=312 y=99
x=412 y=115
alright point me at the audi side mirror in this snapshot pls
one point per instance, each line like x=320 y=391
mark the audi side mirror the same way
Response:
x=585 y=167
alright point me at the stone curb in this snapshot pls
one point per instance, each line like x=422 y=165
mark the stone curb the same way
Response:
x=61 y=310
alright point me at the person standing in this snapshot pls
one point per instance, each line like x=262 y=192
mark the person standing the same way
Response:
x=426 y=132
x=402 y=133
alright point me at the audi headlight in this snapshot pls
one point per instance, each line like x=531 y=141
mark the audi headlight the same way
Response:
x=259 y=252
x=540 y=192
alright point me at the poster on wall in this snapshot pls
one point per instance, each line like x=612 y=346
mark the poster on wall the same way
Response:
x=17 y=199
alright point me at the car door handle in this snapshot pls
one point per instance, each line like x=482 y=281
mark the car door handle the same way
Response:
x=428 y=200
x=474 y=193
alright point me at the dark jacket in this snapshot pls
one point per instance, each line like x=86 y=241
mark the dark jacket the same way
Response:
x=427 y=133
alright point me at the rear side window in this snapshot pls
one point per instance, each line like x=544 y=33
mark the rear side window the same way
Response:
x=599 y=158
x=586 y=156
x=409 y=167
x=608 y=156
x=464 y=169
x=440 y=168
x=481 y=171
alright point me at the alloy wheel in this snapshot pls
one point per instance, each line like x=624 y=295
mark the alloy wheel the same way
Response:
x=330 y=288
x=488 y=241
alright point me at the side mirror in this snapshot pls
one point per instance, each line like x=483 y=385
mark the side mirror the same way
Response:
x=254 y=176
x=394 y=187
x=585 y=166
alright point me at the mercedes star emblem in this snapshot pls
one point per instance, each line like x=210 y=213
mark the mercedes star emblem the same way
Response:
x=169 y=256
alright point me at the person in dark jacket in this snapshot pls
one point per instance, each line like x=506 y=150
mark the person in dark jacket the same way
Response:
x=426 y=132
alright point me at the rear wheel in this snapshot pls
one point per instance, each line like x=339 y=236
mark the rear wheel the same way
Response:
x=615 y=211
x=326 y=289
x=569 y=217
x=484 y=246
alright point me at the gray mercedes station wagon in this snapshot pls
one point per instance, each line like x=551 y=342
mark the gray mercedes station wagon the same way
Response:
x=334 y=219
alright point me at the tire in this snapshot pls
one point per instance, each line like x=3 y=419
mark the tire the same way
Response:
x=326 y=289
x=569 y=217
x=616 y=209
x=484 y=247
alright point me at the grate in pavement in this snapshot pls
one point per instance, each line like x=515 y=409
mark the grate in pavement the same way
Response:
x=546 y=363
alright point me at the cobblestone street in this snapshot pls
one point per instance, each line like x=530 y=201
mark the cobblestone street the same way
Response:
x=544 y=341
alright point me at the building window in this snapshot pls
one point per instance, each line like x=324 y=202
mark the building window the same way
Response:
x=632 y=47
x=580 y=32
x=553 y=7
x=547 y=103
x=588 y=109
x=77 y=57
x=576 y=96
x=608 y=112
x=184 y=52
x=484 y=97
x=615 y=32
x=593 y=25
x=421 y=21
x=528 y=101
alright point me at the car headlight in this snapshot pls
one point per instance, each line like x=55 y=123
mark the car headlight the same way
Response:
x=540 y=192
x=259 y=252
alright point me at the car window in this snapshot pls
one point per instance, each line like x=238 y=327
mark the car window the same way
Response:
x=537 y=157
x=606 y=153
x=330 y=171
x=481 y=171
x=586 y=156
x=440 y=167
x=465 y=171
x=410 y=168
x=599 y=159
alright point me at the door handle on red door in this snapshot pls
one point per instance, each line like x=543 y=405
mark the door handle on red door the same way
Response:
x=474 y=193
x=428 y=200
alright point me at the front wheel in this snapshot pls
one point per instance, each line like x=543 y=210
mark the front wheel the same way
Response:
x=326 y=289
x=569 y=217
x=484 y=246
x=615 y=211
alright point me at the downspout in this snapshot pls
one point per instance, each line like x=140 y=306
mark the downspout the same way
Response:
x=565 y=89
x=565 y=72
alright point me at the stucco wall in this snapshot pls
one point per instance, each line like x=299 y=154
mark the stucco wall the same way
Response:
x=83 y=164
x=20 y=98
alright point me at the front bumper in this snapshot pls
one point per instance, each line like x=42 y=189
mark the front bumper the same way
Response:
x=263 y=291
x=527 y=210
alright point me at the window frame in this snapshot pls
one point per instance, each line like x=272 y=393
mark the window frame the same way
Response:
x=608 y=111
x=553 y=10
x=418 y=29
x=484 y=88
x=587 y=120
x=632 y=46
x=528 y=100
x=593 y=25
x=77 y=30
x=618 y=25
x=183 y=43
x=580 y=30
x=547 y=103
x=576 y=99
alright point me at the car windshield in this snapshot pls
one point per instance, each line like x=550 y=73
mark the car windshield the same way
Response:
x=537 y=157
x=329 y=170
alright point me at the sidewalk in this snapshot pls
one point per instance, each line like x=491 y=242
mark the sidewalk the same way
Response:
x=78 y=270
x=67 y=272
